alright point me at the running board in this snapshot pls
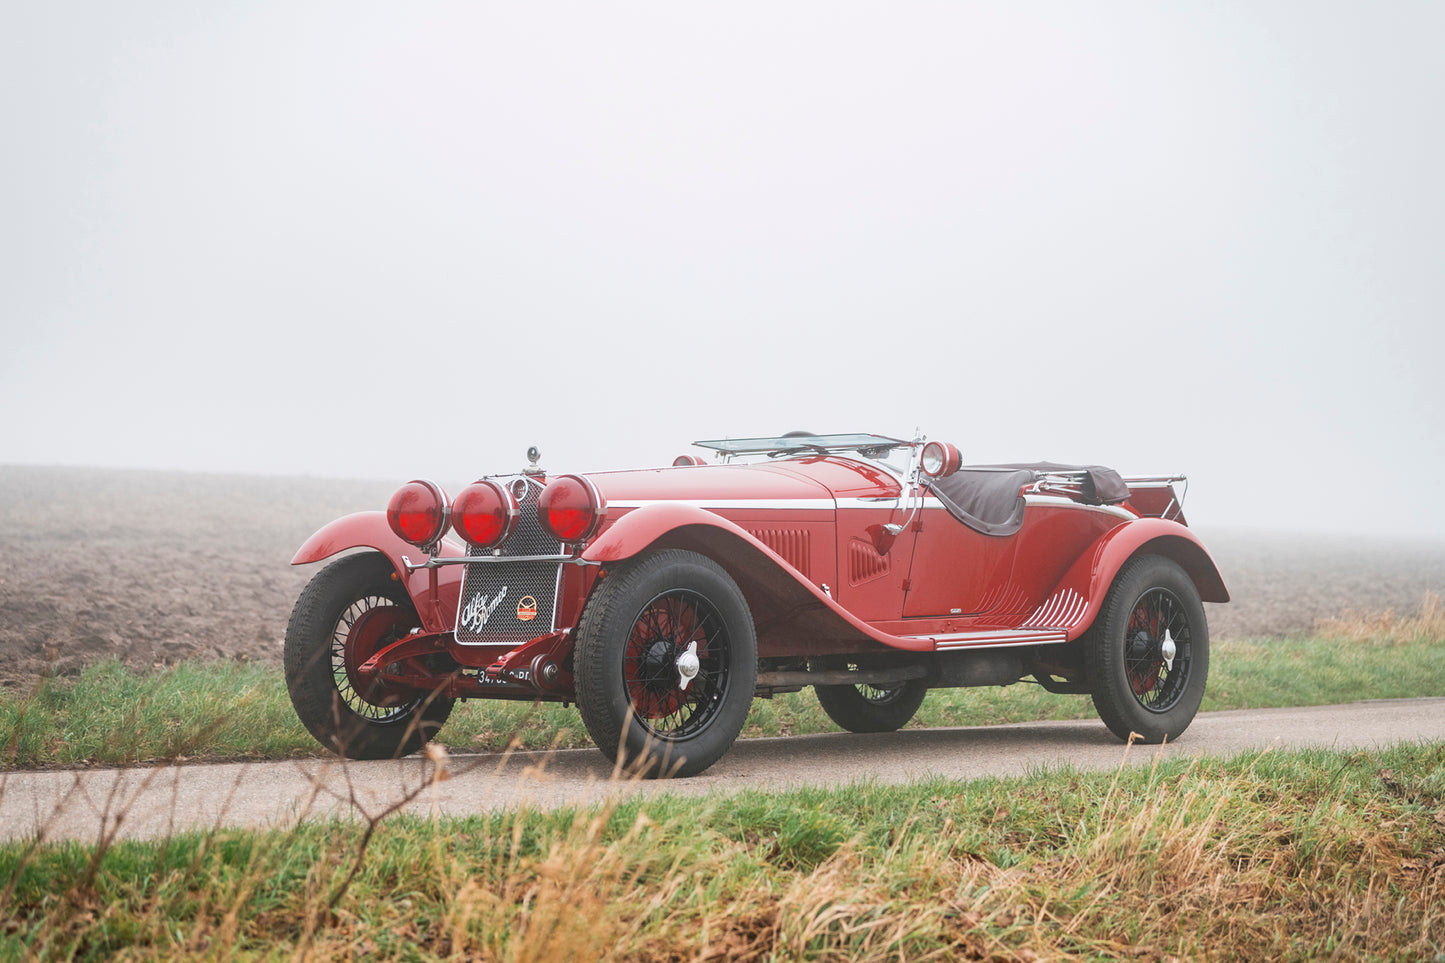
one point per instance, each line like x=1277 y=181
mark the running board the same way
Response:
x=991 y=640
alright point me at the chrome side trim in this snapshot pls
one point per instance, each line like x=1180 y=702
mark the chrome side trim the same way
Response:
x=1062 y=611
x=930 y=504
x=926 y=502
x=796 y=504
x=874 y=502
x=991 y=640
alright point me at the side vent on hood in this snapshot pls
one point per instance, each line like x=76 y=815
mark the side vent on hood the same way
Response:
x=794 y=544
x=864 y=562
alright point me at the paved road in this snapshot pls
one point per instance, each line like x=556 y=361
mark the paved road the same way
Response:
x=153 y=802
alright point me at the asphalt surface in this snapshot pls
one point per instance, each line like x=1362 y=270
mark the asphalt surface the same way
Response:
x=150 y=802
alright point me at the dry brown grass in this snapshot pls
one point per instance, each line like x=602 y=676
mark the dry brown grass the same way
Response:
x=1387 y=627
x=1281 y=856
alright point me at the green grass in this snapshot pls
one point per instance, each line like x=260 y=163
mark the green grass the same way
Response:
x=222 y=710
x=1274 y=855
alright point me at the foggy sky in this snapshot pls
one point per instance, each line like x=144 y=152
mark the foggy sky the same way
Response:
x=366 y=240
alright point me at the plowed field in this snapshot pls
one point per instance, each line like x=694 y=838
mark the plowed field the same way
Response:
x=158 y=567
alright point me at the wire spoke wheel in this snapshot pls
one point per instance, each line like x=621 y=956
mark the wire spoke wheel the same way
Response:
x=877 y=695
x=665 y=663
x=870 y=707
x=1156 y=650
x=350 y=611
x=366 y=627
x=661 y=635
x=1147 y=654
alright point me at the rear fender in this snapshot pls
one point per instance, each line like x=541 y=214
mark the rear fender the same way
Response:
x=1092 y=575
x=434 y=591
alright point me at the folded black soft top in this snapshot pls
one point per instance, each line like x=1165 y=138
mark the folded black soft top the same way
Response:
x=986 y=497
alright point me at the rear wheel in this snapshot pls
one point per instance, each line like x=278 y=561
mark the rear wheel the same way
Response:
x=872 y=708
x=1148 y=655
x=666 y=664
x=346 y=614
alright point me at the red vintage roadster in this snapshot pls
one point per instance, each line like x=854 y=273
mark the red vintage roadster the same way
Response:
x=663 y=601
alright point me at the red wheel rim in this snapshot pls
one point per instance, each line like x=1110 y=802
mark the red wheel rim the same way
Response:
x=661 y=633
x=1157 y=622
x=368 y=633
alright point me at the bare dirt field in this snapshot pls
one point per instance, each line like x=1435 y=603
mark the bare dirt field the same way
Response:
x=157 y=567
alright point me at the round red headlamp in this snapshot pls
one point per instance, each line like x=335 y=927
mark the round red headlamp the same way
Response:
x=571 y=508
x=939 y=460
x=682 y=461
x=418 y=512
x=484 y=513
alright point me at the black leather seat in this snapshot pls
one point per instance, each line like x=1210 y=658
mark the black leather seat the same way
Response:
x=986 y=497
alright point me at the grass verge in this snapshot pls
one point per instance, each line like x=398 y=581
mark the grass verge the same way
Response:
x=113 y=715
x=1277 y=855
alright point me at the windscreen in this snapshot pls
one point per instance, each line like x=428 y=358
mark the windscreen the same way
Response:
x=803 y=443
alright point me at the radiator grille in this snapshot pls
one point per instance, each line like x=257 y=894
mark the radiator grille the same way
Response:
x=508 y=603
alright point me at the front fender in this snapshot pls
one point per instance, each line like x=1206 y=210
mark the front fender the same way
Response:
x=787 y=607
x=433 y=591
x=1093 y=574
x=639 y=528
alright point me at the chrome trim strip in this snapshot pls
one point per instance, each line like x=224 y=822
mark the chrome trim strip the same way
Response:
x=978 y=640
x=556 y=597
x=872 y=502
x=471 y=559
x=926 y=502
x=599 y=513
x=978 y=636
x=929 y=503
x=1054 y=639
x=1062 y=611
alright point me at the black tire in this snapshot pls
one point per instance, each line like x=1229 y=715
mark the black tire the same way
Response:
x=872 y=708
x=357 y=725
x=631 y=639
x=1136 y=689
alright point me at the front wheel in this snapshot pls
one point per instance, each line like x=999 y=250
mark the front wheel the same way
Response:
x=666 y=663
x=1148 y=654
x=346 y=614
x=872 y=708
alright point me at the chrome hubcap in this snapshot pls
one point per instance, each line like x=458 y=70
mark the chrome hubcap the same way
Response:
x=688 y=665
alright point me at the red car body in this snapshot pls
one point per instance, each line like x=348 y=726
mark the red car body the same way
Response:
x=860 y=561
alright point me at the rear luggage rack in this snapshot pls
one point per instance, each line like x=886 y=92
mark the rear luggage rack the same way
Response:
x=1154 y=496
